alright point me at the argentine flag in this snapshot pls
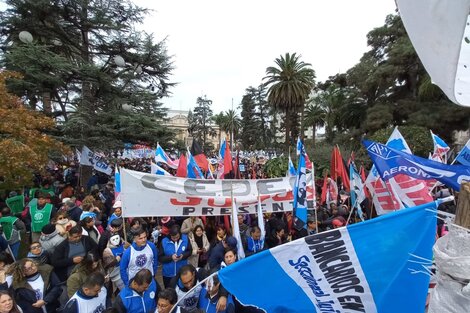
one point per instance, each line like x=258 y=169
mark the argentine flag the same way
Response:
x=377 y=266
x=291 y=171
x=155 y=169
x=161 y=156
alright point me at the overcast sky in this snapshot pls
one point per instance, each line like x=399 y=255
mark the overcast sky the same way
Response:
x=222 y=47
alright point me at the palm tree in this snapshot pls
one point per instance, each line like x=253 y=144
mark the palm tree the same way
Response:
x=231 y=124
x=315 y=116
x=289 y=84
x=219 y=120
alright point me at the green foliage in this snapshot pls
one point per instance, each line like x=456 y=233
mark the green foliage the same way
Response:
x=200 y=123
x=418 y=138
x=70 y=69
x=289 y=83
x=276 y=167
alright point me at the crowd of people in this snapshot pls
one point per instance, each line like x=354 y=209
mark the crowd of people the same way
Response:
x=83 y=256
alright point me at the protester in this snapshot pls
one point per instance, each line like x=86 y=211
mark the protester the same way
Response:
x=63 y=223
x=112 y=259
x=254 y=242
x=90 y=264
x=39 y=214
x=117 y=211
x=141 y=254
x=174 y=253
x=217 y=252
x=210 y=295
x=12 y=226
x=38 y=254
x=8 y=304
x=72 y=210
x=277 y=237
x=36 y=288
x=114 y=228
x=5 y=262
x=190 y=223
x=87 y=221
x=50 y=238
x=90 y=298
x=140 y=295
x=71 y=252
x=200 y=247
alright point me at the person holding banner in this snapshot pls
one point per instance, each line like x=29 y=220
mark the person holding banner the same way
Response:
x=174 y=253
x=12 y=226
x=39 y=215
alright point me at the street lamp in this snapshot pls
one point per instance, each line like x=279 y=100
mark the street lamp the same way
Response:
x=25 y=36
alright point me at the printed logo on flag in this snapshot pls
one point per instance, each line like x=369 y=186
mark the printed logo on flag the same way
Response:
x=380 y=151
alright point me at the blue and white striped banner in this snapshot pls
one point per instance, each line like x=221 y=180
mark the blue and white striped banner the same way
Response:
x=375 y=266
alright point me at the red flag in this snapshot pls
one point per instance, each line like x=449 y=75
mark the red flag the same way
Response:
x=199 y=156
x=236 y=167
x=362 y=172
x=338 y=169
x=182 y=170
x=228 y=166
x=324 y=190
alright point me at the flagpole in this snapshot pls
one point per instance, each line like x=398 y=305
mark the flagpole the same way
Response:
x=314 y=194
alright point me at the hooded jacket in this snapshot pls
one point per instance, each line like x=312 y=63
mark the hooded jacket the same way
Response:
x=51 y=241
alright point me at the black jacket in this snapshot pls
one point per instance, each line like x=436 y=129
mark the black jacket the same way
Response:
x=25 y=296
x=61 y=261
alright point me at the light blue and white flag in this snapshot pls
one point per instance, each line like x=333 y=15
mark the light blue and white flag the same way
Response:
x=378 y=266
x=222 y=149
x=357 y=190
x=390 y=162
x=259 y=212
x=300 y=191
x=161 y=156
x=155 y=169
x=193 y=169
x=464 y=155
x=236 y=231
x=291 y=171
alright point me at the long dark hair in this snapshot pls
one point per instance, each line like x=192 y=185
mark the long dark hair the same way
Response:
x=14 y=309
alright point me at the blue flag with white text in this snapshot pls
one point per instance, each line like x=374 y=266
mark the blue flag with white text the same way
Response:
x=390 y=162
x=464 y=155
x=377 y=266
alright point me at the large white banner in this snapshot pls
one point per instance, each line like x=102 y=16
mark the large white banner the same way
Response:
x=144 y=194
x=89 y=158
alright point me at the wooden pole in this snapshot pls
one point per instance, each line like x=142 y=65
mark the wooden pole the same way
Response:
x=462 y=215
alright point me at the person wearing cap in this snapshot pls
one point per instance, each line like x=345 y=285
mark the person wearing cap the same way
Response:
x=141 y=254
x=87 y=221
x=39 y=214
x=50 y=238
x=174 y=253
x=12 y=226
x=117 y=207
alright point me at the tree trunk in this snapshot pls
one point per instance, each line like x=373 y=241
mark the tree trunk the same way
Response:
x=302 y=109
x=314 y=133
x=462 y=215
x=46 y=102
x=287 y=129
